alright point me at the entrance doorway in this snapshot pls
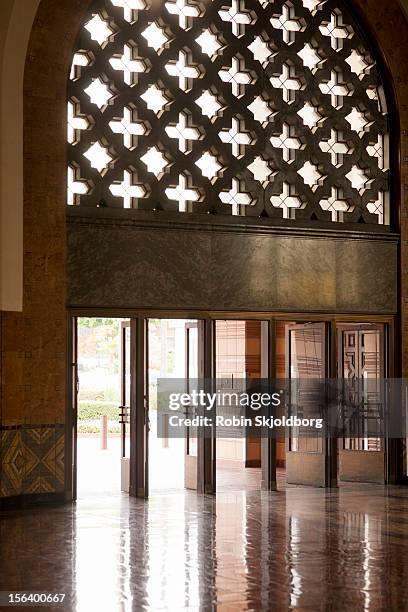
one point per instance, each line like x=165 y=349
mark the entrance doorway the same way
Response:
x=101 y=385
x=229 y=350
x=172 y=348
x=350 y=351
x=241 y=356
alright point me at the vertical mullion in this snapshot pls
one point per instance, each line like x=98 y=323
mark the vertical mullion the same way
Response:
x=138 y=409
x=206 y=442
x=332 y=445
x=268 y=443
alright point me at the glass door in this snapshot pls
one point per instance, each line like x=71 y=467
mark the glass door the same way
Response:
x=306 y=364
x=191 y=381
x=124 y=408
x=361 y=364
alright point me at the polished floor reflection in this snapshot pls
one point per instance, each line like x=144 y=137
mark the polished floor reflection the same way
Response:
x=296 y=549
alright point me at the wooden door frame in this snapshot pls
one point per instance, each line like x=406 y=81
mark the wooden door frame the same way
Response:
x=329 y=443
x=206 y=442
x=208 y=476
x=139 y=417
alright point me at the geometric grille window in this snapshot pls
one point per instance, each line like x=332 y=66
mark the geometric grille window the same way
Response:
x=230 y=107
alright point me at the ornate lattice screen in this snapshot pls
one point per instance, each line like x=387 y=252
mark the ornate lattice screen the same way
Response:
x=263 y=108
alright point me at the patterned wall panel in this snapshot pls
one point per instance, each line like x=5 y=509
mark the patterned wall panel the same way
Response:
x=269 y=109
x=32 y=459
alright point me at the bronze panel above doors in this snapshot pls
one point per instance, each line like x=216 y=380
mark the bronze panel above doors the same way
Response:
x=116 y=265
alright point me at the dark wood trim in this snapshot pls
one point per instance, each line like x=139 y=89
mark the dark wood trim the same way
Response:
x=139 y=472
x=268 y=443
x=332 y=450
x=206 y=443
x=237 y=315
x=71 y=409
x=225 y=223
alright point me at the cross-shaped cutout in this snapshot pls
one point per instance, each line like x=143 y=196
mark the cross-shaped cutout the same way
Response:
x=336 y=30
x=236 y=198
x=183 y=194
x=76 y=186
x=336 y=146
x=377 y=150
x=183 y=70
x=129 y=63
x=127 y=190
x=287 y=82
x=288 y=142
x=129 y=127
x=336 y=88
x=183 y=131
x=237 y=137
x=380 y=207
x=288 y=23
x=76 y=122
x=186 y=12
x=336 y=204
x=237 y=76
x=129 y=7
x=287 y=200
x=237 y=16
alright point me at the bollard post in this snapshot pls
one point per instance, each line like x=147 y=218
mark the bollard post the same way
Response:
x=165 y=439
x=104 y=432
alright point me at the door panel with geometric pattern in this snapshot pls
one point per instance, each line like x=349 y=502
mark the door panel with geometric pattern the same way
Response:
x=361 y=359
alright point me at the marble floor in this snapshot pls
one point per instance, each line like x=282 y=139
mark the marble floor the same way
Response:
x=294 y=549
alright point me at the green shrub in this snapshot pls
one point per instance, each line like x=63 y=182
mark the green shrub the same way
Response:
x=89 y=409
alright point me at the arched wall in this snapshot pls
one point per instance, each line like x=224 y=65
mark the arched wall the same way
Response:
x=34 y=342
x=16 y=20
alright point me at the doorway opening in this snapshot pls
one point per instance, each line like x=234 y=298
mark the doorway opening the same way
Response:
x=353 y=352
x=102 y=378
x=241 y=356
x=172 y=348
x=118 y=363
